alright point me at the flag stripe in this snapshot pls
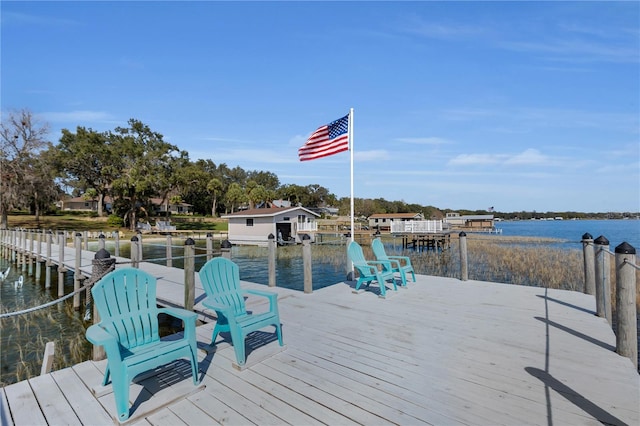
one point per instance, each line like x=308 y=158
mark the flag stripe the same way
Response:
x=326 y=140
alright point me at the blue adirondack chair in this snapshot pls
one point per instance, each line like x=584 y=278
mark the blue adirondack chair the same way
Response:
x=220 y=278
x=396 y=261
x=128 y=330
x=368 y=270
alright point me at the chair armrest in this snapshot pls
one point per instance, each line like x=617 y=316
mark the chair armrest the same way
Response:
x=218 y=307
x=97 y=335
x=179 y=313
x=268 y=294
x=405 y=258
x=385 y=263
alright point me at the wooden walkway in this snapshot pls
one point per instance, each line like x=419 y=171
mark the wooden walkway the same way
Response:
x=440 y=352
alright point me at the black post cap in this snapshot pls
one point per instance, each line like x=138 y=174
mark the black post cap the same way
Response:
x=102 y=254
x=271 y=237
x=587 y=236
x=102 y=236
x=225 y=244
x=189 y=242
x=78 y=234
x=625 y=248
x=209 y=235
x=462 y=234
x=306 y=237
x=134 y=238
x=601 y=240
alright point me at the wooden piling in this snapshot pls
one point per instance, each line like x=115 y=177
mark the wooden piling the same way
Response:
x=101 y=264
x=209 y=246
x=626 y=310
x=77 y=275
x=589 y=264
x=306 y=263
x=48 y=264
x=169 y=251
x=47 y=358
x=61 y=268
x=134 y=251
x=189 y=273
x=272 y=259
x=225 y=249
x=464 y=261
x=603 y=278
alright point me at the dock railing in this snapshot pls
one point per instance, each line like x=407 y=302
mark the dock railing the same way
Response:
x=416 y=226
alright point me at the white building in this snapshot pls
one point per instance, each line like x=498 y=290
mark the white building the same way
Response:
x=286 y=224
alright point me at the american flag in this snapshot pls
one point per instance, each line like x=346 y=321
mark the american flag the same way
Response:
x=327 y=140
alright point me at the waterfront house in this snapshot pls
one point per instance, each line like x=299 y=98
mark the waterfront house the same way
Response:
x=382 y=221
x=286 y=224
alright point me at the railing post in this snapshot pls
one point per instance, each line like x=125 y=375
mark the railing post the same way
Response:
x=116 y=236
x=77 y=275
x=101 y=242
x=589 y=264
x=272 y=259
x=30 y=253
x=134 y=251
x=189 y=273
x=306 y=262
x=39 y=257
x=603 y=278
x=209 y=246
x=101 y=264
x=626 y=310
x=225 y=249
x=48 y=263
x=139 y=234
x=85 y=239
x=169 y=250
x=62 y=241
x=464 y=261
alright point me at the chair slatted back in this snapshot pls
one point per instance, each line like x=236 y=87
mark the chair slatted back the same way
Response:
x=354 y=251
x=220 y=278
x=126 y=302
x=378 y=250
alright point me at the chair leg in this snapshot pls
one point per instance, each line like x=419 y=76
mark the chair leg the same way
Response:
x=120 y=383
x=403 y=277
x=279 y=331
x=382 y=285
x=237 y=338
x=107 y=373
x=194 y=363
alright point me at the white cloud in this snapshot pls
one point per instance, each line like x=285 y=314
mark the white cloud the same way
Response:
x=530 y=156
x=476 y=159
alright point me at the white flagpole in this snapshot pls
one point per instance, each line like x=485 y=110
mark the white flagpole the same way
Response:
x=351 y=152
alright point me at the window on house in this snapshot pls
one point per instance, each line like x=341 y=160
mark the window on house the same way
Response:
x=286 y=218
x=249 y=222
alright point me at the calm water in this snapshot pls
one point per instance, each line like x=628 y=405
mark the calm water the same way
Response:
x=570 y=232
x=62 y=325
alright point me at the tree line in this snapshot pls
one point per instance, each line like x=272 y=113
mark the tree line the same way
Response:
x=133 y=164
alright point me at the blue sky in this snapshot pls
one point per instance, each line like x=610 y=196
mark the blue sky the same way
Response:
x=460 y=105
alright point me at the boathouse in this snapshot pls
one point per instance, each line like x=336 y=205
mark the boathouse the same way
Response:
x=470 y=223
x=287 y=224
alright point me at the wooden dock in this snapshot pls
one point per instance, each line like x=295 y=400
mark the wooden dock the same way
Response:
x=441 y=351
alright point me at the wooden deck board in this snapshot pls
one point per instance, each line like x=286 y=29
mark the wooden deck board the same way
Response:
x=441 y=351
